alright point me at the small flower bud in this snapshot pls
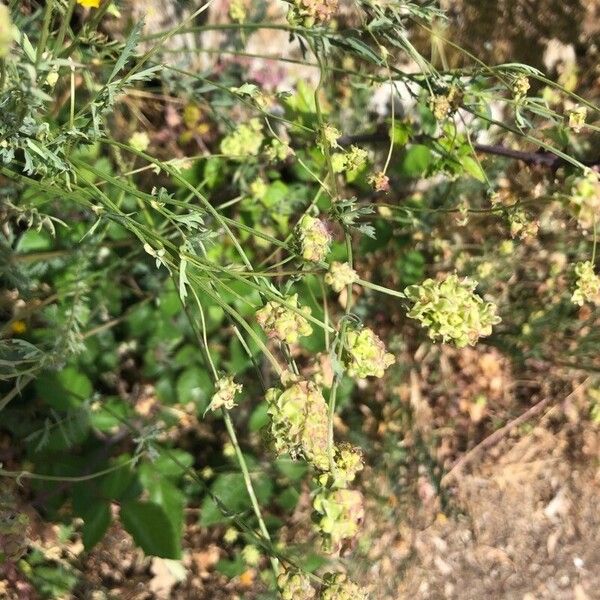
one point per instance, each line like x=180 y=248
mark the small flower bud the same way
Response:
x=237 y=11
x=311 y=12
x=577 y=118
x=251 y=555
x=380 y=182
x=139 y=141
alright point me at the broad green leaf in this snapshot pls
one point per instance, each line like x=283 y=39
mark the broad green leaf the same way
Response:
x=162 y=492
x=416 y=160
x=230 y=490
x=150 y=528
x=194 y=385
x=95 y=523
x=66 y=389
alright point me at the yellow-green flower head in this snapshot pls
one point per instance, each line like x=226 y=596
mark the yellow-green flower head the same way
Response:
x=348 y=462
x=89 y=3
x=365 y=354
x=251 y=555
x=339 y=515
x=584 y=199
x=139 y=141
x=440 y=106
x=338 y=587
x=277 y=150
x=312 y=12
x=282 y=323
x=258 y=188
x=315 y=239
x=520 y=87
x=328 y=137
x=587 y=287
x=226 y=390
x=299 y=422
x=450 y=310
x=245 y=141
x=294 y=585
x=237 y=10
x=352 y=160
x=577 y=118
x=6 y=35
x=340 y=275
x=521 y=225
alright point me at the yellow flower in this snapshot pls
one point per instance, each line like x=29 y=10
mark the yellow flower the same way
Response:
x=18 y=327
x=89 y=3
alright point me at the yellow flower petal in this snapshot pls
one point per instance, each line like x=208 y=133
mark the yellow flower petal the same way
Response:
x=89 y=3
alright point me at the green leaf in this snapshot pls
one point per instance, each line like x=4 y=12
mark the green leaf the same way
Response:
x=473 y=168
x=117 y=482
x=416 y=160
x=194 y=385
x=64 y=390
x=230 y=490
x=128 y=49
x=162 y=492
x=150 y=528
x=34 y=241
x=95 y=523
x=259 y=417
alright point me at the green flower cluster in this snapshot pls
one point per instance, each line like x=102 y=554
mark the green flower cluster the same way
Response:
x=246 y=140
x=348 y=462
x=587 y=287
x=339 y=514
x=577 y=118
x=312 y=12
x=520 y=87
x=380 y=181
x=299 y=422
x=282 y=323
x=226 y=390
x=328 y=137
x=521 y=225
x=338 y=587
x=277 y=150
x=314 y=238
x=365 y=354
x=294 y=585
x=352 y=160
x=340 y=275
x=451 y=310
x=584 y=198
x=440 y=106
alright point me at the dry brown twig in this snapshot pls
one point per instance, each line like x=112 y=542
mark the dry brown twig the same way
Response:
x=495 y=437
